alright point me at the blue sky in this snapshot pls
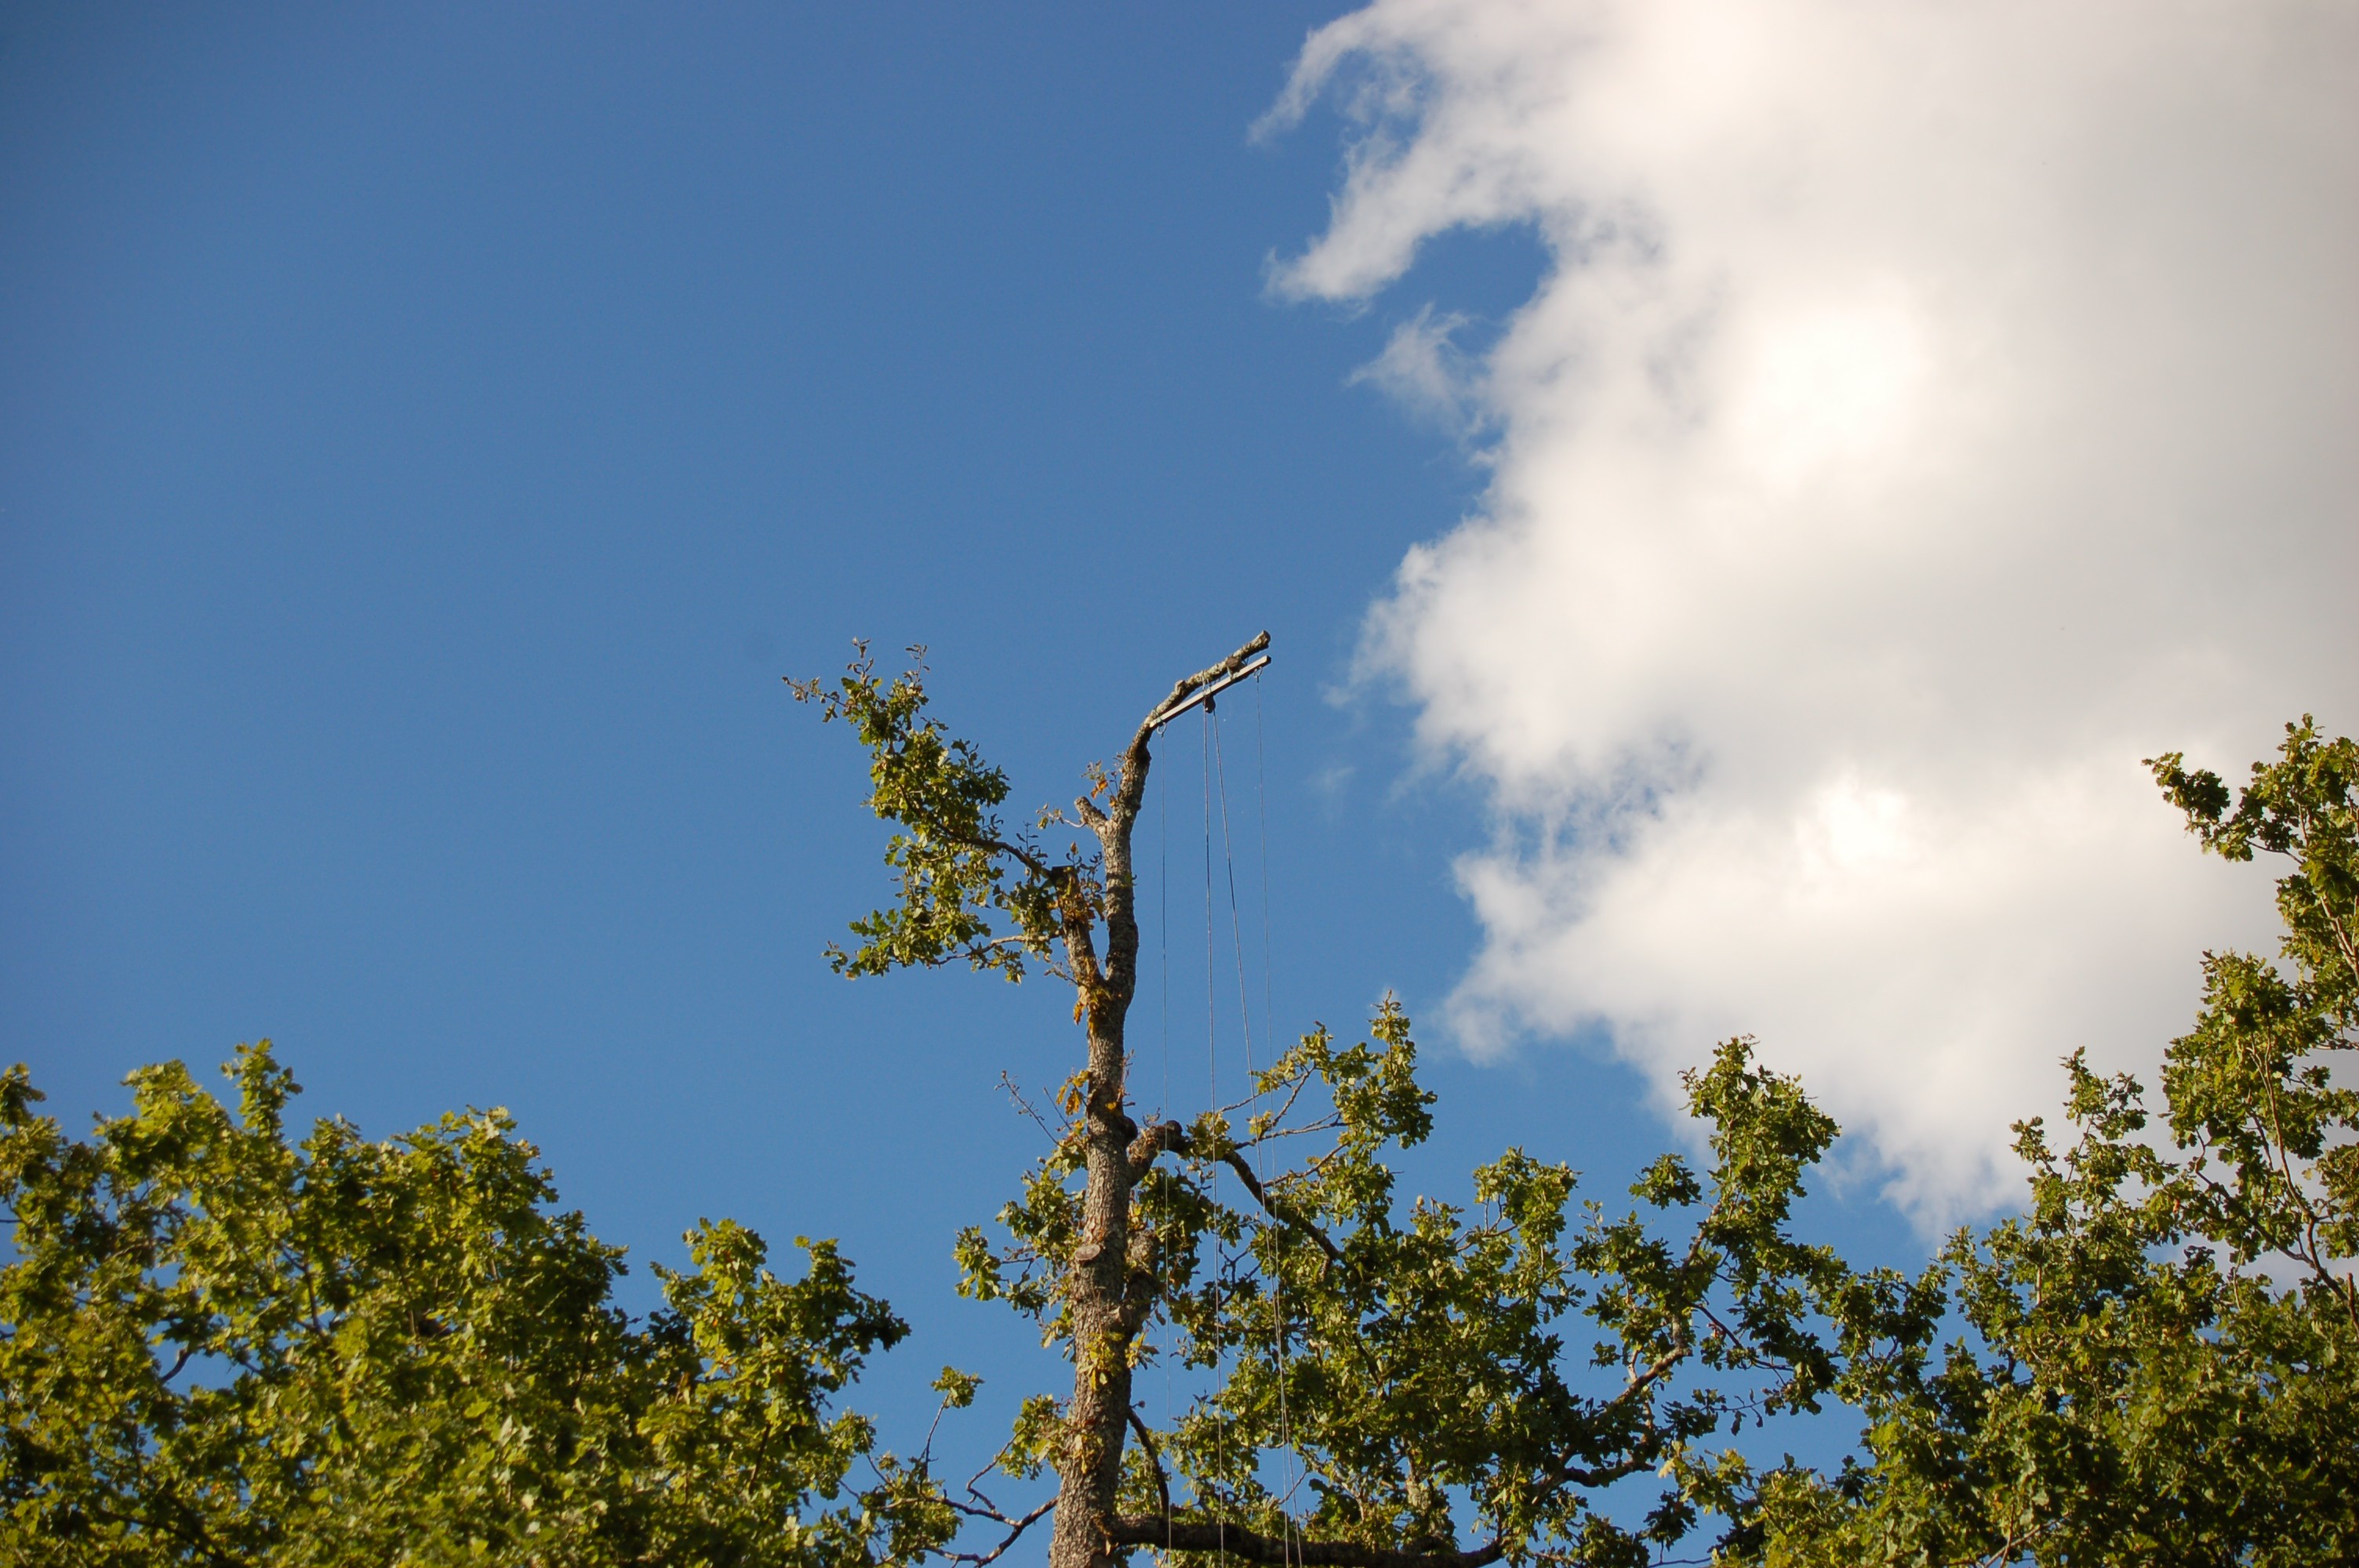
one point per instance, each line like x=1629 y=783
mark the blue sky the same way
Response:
x=427 y=436
x=424 y=443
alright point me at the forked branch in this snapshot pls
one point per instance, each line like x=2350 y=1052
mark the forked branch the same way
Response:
x=1172 y=1136
x=1016 y=1527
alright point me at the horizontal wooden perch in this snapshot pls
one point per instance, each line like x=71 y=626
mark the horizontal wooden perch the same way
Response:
x=1206 y=694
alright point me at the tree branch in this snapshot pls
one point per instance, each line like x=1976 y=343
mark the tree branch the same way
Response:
x=1170 y=1135
x=1154 y=1457
x=1237 y=1162
x=1182 y=690
x=1132 y=789
x=1139 y=1530
x=1144 y=1148
x=1014 y=1533
x=984 y=844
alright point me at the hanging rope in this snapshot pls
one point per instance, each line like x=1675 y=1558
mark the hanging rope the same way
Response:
x=1213 y=770
x=1212 y=1071
x=1291 y=1469
x=1163 y=940
x=1261 y=811
x=1163 y=1011
x=1212 y=1026
x=1287 y=1474
x=1236 y=928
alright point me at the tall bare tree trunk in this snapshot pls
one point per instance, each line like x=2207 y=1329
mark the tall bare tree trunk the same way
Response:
x=1112 y=1285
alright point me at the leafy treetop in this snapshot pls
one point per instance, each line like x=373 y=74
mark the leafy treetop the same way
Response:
x=221 y=1348
x=2158 y=1361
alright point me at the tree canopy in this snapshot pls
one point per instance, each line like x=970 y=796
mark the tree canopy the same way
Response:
x=218 y=1347
x=221 y=1346
x=2159 y=1360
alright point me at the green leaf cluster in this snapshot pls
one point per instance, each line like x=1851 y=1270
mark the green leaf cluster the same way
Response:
x=958 y=865
x=2153 y=1363
x=221 y=1348
x=2158 y=1361
x=1417 y=1376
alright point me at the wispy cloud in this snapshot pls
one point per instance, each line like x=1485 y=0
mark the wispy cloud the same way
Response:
x=1423 y=368
x=1928 y=411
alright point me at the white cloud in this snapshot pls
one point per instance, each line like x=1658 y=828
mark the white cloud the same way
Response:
x=1927 y=411
x=1426 y=372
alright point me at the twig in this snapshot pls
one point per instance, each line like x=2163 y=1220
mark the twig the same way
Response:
x=1154 y=1457
x=1016 y=1533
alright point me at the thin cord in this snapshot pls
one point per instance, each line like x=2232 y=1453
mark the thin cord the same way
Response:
x=1268 y=1017
x=1211 y=1026
x=1261 y=808
x=1236 y=926
x=1163 y=937
x=1163 y=979
x=1277 y=1234
x=1211 y=1029
x=1212 y=1071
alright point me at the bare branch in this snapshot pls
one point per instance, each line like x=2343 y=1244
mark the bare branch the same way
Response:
x=1154 y=1457
x=1183 y=689
x=1132 y=789
x=1273 y=1119
x=1015 y=1531
x=1237 y=1162
x=1015 y=1095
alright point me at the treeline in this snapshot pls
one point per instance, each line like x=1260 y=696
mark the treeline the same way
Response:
x=221 y=1344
